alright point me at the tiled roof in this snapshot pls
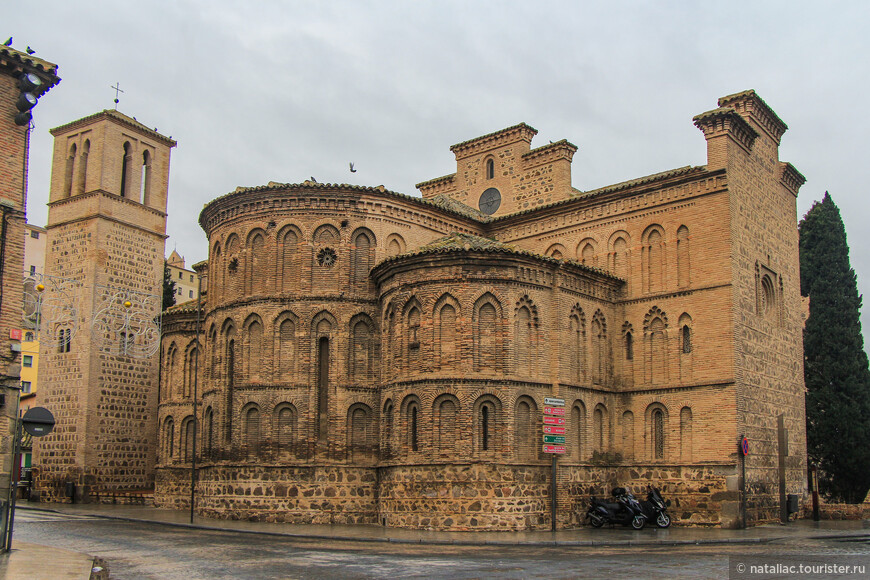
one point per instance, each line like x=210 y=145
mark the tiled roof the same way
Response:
x=120 y=117
x=518 y=126
x=680 y=171
x=446 y=202
x=460 y=242
x=20 y=58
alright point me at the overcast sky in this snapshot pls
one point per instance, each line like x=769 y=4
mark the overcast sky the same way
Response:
x=280 y=91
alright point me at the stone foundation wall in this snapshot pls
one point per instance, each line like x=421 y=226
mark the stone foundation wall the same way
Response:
x=300 y=495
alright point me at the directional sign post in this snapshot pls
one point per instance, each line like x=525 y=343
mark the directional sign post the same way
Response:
x=554 y=411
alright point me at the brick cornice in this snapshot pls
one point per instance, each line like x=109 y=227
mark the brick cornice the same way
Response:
x=520 y=132
x=750 y=105
x=726 y=121
x=791 y=178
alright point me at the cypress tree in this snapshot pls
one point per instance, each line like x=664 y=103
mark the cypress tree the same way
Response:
x=835 y=363
x=168 y=287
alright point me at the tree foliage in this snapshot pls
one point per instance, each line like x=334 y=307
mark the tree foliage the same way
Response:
x=168 y=287
x=835 y=363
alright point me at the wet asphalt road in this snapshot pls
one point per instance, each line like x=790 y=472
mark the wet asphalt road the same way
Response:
x=141 y=550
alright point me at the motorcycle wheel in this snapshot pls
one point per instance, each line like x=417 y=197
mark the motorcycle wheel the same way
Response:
x=596 y=520
x=664 y=520
x=638 y=522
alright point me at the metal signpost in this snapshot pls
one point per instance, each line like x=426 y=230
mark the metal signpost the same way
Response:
x=554 y=439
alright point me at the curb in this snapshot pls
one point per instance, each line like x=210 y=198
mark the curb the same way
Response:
x=423 y=541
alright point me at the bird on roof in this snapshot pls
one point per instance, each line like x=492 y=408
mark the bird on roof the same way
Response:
x=30 y=50
x=313 y=180
x=352 y=170
x=8 y=42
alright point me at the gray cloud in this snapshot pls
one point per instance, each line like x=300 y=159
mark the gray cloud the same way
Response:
x=281 y=91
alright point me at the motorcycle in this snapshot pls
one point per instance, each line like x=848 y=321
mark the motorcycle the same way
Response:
x=626 y=511
x=655 y=507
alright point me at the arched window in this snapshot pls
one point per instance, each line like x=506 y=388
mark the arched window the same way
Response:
x=191 y=368
x=686 y=434
x=447 y=336
x=362 y=352
x=655 y=337
x=629 y=346
x=412 y=335
x=486 y=421
x=126 y=166
x=486 y=331
x=208 y=432
x=683 y=278
x=187 y=435
x=363 y=259
x=286 y=350
x=359 y=444
x=254 y=353
x=578 y=425
x=490 y=168
x=412 y=421
x=145 y=193
x=654 y=261
x=599 y=427
x=524 y=339
x=526 y=430
x=169 y=373
x=658 y=434
x=628 y=435
x=252 y=431
x=168 y=440
x=586 y=252
x=600 y=351
x=387 y=444
x=323 y=328
x=687 y=339
x=619 y=260
x=577 y=344
x=288 y=265
x=255 y=278
x=82 y=170
x=285 y=428
x=446 y=428
x=68 y=174
x=395 y=245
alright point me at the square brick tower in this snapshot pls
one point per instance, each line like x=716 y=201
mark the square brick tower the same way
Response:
x=106 y=236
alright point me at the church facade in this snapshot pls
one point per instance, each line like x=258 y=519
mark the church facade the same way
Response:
x=370 y=357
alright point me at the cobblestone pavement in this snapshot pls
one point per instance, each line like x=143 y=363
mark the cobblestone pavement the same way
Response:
x=146 y=550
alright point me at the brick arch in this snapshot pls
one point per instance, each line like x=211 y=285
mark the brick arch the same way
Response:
x=288 y=258
x=251 y=432
x=601 y=428
x=488 y=334
x=411 y=334
x=657 y=431
x=326 y=234
x=361 y=434
x=578 y=426
x=487 y=422
x=446 y=336
x=362 y=351
x=600 y=351
x=656 y=352
x=526 y=429
x=446 y=411
x=363 y=244
x=587 y=252
x=285 y=331
x=619 y=256
x=412 y=423
x=557 y=251
x=526 y=339
x=394 y=245
x=653 y=258
x=232 y=275
x=285 y=428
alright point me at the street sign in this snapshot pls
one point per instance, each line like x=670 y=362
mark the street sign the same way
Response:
x=744 y=446
x=554 y=430
x=554 y=439
x=38 y=422
x=15 y=334
x=554 y=402
x=554 y=410
x=554 y=448
x=554 y=420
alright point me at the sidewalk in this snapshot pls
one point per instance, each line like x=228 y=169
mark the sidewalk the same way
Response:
x=36 y=562
x=372 y=533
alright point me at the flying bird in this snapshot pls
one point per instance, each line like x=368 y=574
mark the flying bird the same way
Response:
x=30 y=50
x=8 y=42
x=352 y=170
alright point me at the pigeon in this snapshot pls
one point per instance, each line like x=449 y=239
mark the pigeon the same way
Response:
x=313 y=180
x=30 y=50
x=352 y=170
x=8 y=42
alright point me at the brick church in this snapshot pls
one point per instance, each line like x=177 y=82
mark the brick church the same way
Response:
x=371 y=357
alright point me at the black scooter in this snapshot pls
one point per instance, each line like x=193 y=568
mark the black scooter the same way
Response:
x=626 y=511
x=655 y=507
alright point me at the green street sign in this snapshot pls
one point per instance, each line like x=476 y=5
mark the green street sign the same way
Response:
x=554 y=439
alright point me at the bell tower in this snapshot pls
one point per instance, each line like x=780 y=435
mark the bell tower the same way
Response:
x=106 y=234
